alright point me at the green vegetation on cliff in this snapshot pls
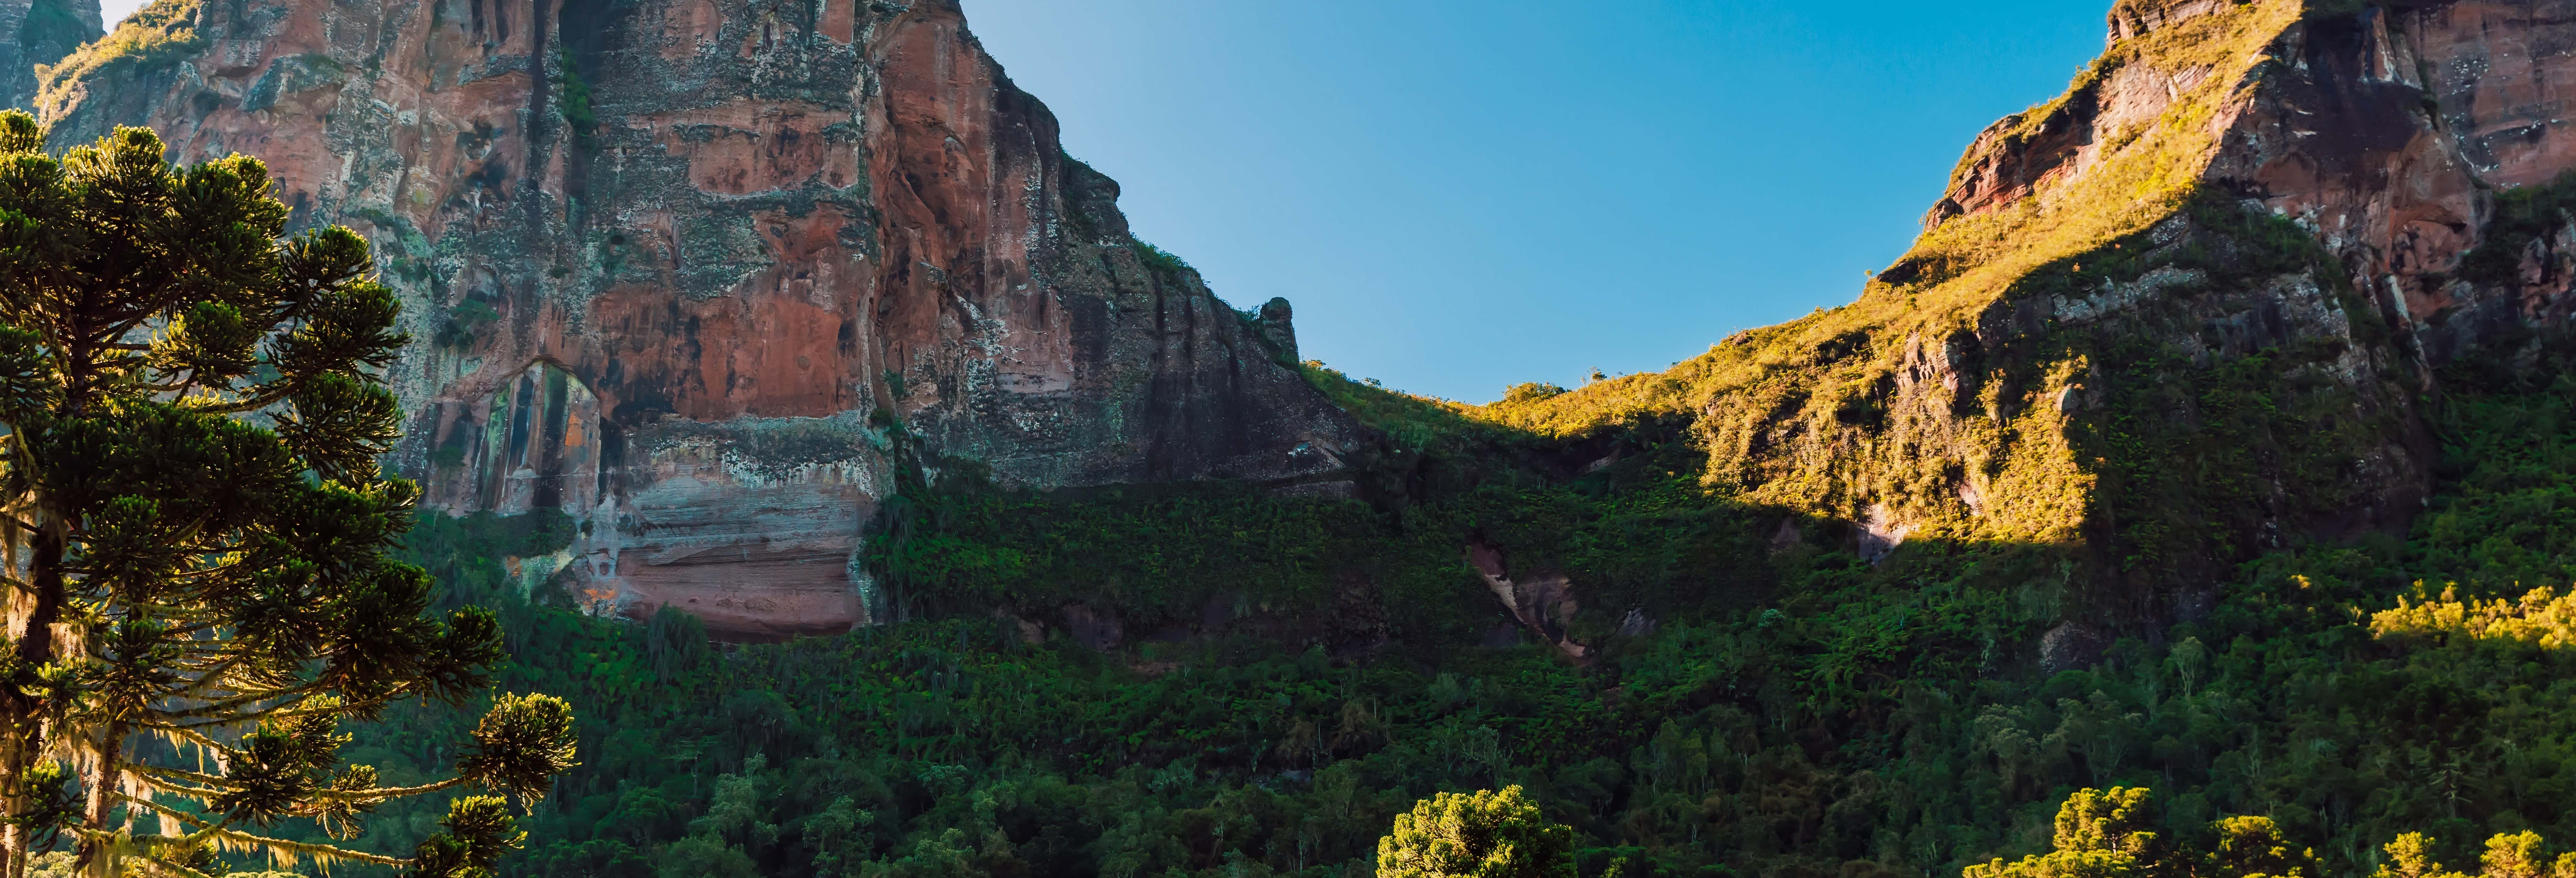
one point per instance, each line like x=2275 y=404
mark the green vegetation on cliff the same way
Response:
x=577 y=110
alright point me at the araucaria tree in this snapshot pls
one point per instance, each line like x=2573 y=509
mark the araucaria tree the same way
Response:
x=193 y=531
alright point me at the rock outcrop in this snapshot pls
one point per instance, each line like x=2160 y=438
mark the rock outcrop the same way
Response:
x=2131 y=19
x=1541 y=602
x=694 y=270
x=37 y=33
x=2399 y=136
x=2389 y=131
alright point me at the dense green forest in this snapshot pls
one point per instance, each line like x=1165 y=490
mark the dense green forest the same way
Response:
x=1755 y=699
x=1652 y=626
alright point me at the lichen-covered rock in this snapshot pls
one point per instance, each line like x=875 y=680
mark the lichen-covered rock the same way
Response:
x=2136 y=18
x=683 y=268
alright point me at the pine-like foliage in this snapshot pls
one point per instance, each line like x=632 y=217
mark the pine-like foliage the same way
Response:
x=1484 y=834
x=194 y=530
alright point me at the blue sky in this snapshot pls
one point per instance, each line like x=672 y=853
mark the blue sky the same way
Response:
x=1460 y=195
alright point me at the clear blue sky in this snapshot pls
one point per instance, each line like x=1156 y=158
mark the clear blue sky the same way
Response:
x=1460 y=195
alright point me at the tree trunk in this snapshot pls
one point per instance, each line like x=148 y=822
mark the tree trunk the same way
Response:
x=21 y=714
x=102 y=784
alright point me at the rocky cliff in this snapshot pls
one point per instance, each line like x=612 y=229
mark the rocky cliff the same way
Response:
x=2387 y=130
x=35 y=34
x=2191 y=310
x=702 y=273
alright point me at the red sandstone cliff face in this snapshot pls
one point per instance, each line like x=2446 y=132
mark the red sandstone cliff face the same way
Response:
x=2388 y=132
x=2392 y=136
x=677 y=267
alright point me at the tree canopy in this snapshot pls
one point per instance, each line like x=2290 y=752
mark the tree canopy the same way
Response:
x=2116 y=834
x=193 y=530
x=1484 y=834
